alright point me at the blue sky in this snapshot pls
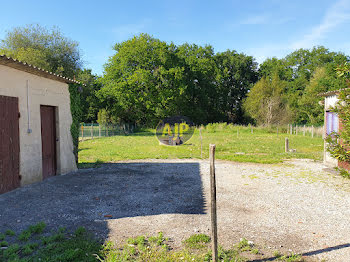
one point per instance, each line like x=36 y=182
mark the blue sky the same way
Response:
x=263 y=29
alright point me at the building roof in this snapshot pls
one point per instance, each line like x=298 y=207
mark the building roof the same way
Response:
x=10 y=62
x=332 y=93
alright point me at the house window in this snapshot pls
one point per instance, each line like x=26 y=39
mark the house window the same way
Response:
x=332 y=122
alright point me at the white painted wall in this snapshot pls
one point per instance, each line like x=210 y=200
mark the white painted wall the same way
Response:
x=42 y=91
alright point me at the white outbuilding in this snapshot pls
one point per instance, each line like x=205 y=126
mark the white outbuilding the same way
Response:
x=35 y=122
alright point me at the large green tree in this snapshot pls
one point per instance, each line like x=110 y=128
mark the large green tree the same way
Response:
x=266 y=102
x=142 y=82
x=237 y=73
x=299 y=70
x=44 y=48
x=200 y=100
x=148 y=79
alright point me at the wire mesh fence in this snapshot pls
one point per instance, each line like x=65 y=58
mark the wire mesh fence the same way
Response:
x=290 y=129
x=95 y=130
x=313 y=131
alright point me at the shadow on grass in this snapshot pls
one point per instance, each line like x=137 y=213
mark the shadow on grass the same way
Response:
x=86 y=165
x=143 y=133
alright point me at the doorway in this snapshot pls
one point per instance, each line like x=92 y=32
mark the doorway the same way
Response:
x=48 y=140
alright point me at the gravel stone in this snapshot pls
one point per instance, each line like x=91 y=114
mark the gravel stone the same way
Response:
x=295 y=206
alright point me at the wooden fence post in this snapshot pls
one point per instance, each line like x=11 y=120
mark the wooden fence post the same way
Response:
x=200 y=134
x=291 y=129
x=286 y=145
x=82 y=132
x=251 y=129
x=213 y=203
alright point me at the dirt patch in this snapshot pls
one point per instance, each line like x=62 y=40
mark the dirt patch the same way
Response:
x=295 y=206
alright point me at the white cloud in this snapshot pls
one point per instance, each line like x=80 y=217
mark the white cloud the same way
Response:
x=336 y=15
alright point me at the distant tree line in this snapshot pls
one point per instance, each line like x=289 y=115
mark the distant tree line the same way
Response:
x=148 y=79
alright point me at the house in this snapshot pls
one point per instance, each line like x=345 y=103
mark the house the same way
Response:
x=332 y=124
x=35 y=122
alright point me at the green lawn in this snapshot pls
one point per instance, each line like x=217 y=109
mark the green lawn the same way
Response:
x=39 y=244
x=263 y=146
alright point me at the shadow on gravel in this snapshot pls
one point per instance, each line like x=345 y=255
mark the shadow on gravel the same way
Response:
x=310 y=253
x=90 y=197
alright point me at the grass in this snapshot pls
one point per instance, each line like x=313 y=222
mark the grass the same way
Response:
x=10 y=232
x=343 y=172
x=263 y=146
x=197 y=241
x=79 y=245
x=36 y=244
x=197 y=248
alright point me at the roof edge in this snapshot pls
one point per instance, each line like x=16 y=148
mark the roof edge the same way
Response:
x=334 y=92
x=23 y=66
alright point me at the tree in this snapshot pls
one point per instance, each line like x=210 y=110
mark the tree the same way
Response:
x=265 y=102
x=103 y=118
x=297 y=69
x=47 y=49
x=237 y=73
x=200 y=100
x=304 y=62
x=142 y=82
x=324 y=79
x=89 y=101
x=277 y=66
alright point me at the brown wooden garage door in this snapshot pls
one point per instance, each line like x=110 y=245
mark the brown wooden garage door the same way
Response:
x=9 y=144
x=48 y=140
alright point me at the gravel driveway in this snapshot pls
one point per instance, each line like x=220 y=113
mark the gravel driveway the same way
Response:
x=295 y=206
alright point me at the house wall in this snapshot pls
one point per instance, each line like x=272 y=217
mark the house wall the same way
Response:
x=42 y=91
x=330 y=101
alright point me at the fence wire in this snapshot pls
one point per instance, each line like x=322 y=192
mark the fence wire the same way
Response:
x=95 y=130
